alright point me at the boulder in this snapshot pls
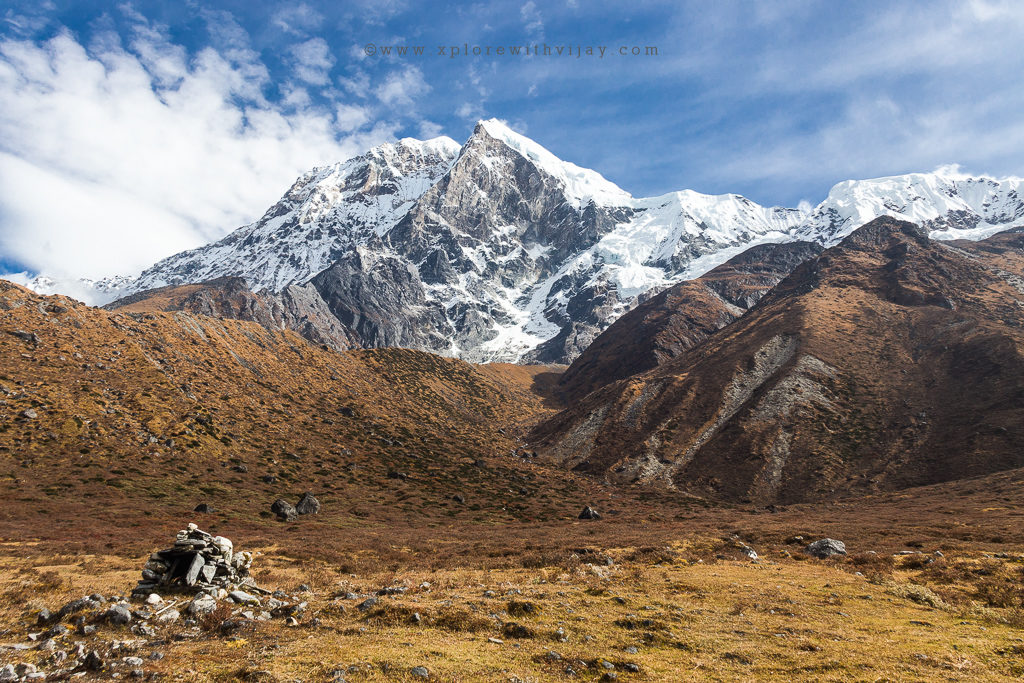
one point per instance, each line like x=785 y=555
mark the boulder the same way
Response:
x=203 y=507
x=826 y=547
x=284 y=510
x=589 y=513
x=308 y=504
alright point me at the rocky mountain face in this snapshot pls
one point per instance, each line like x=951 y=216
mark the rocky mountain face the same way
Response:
x=296 y=307
x=498 y=250
x=887 y=361
x=682 y=316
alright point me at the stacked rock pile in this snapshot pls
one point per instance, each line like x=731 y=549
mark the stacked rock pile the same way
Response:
x=197 y=562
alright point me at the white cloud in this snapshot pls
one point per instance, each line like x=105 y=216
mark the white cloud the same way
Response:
x=400 y=88
x=297 y=19
x=350 y=117
x=114 y=157
x=532 y=21
x=357 y=84
x=312 y=61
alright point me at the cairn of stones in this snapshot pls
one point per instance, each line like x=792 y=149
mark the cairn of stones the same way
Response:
x=198 y=562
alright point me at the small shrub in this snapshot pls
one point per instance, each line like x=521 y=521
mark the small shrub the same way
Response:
x=515 y=630
x=922 y=595
x=523 y=608
x=997 y=593
x=460 y=620
x=211 y=622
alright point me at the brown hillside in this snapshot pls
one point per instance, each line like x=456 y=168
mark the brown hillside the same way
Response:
x=888 y=361
x=106 y=414
x=681 y=317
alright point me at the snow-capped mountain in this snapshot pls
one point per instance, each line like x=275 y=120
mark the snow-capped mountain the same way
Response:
x=322 y=216
x=949 y=204
x=499 y=250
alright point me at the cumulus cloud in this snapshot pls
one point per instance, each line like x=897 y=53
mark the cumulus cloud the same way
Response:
x=312 y=61
x=297 y=19
x=119 y=154
x=401 y=88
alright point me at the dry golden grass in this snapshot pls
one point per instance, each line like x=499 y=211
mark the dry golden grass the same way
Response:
x=779 y=619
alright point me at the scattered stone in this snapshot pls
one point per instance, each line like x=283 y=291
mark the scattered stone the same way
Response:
x=367 y=604
x=589 y=513
x=243 y=598
x=392 y=474
x=419 y=672
x=118 y=615
x=308 y=504
x=168 y=617
x=826 y=547
x=154 y=599
x=8 y=675
x=134 y=662
x=631 y=668
x=240 y=468
x=458 y=499
x=205 y=508
x=269 y=479
x=291 y=621
x=44 y=617
x=94 y=662
x=284 y=510
x=56 y=631
x=202 y=604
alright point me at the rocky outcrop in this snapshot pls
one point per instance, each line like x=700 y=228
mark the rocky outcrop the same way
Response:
x=296 y=307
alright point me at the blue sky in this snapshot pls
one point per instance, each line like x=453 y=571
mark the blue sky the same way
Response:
x=129 y=131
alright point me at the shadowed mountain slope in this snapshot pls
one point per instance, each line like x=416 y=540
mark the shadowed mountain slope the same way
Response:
x=682 y=316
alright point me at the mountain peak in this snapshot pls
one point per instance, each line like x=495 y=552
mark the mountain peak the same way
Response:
x=581 y=185
x=881 y=231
